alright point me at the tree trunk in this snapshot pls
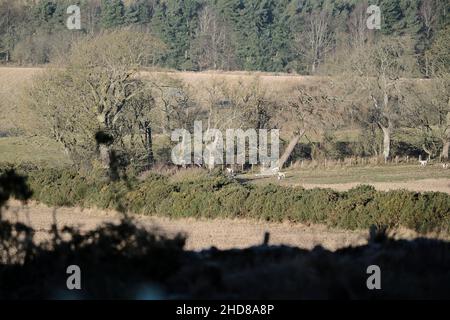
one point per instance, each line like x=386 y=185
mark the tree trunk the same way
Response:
x=104 y=142
x=313 y=68
x=149 y=145
x=291 y=146
x=427 y=151
x=446 y=138
x=386 y=142
x=105 y=155
x=445 y=149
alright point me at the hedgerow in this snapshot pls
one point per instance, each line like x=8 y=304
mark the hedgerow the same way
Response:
x=217 y=196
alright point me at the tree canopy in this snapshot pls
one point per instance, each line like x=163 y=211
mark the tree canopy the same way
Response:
x=263 y=35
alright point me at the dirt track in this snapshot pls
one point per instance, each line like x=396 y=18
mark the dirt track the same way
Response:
x=425 y=185
x=221 y=233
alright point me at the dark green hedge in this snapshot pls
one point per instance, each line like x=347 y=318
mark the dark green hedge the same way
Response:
x=218 y=196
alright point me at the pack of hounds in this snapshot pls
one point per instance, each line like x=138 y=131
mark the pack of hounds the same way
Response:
x=274 y=171
x=282 y=175
x=424 y=163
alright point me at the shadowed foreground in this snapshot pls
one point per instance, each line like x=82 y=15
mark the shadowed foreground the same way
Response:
x=201 y=233
x=127 y=261
x=123 y=261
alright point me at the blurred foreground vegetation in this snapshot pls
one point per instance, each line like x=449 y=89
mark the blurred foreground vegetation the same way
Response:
x=129 y=262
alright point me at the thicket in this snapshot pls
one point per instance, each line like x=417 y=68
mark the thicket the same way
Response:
x=216 y=196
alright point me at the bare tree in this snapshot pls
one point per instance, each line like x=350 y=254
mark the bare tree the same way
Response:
x=428 y=112
x=438 y=56
x=429 y=15
x=212 y=47
x=56 y=111
x=92 y=15
x=316 y=40
x=374 y=82
x=242 y=104
x=310 y=111
x=175 y=104
x=11 y=15
x=357 y=25
x=99 y=91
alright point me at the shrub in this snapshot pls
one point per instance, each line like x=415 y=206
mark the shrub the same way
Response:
x=352 y=211
x=147 y=196
x=57 y=187
x=271 y=203
x=316 y=205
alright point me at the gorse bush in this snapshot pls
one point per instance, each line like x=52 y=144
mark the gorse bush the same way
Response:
x=217 y=196
x=59 y=187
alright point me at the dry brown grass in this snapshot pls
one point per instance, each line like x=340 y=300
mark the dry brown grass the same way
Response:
x=426 y=185
x=278 y=86
x=15 y=79
x=270 y=81
x=202 y=234
x=12 y=81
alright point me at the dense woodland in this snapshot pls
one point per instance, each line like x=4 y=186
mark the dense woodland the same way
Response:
x=305 y=36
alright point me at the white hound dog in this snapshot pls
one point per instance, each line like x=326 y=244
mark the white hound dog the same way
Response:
x=230 y=172
x=423 y=163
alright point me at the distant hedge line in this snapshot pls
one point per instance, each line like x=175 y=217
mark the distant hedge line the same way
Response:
x=218 y=196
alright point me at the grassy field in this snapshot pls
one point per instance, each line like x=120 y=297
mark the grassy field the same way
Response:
x=389 y=173
x=43 y=151
x=410 y=177
x=12 y=83
x=36 y=150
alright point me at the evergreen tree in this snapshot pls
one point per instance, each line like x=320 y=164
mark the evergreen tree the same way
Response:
x=175 y=22
x=260 y=34
x=392 y=17
x=44 y=12
x=139 y=12
x=112 y=13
